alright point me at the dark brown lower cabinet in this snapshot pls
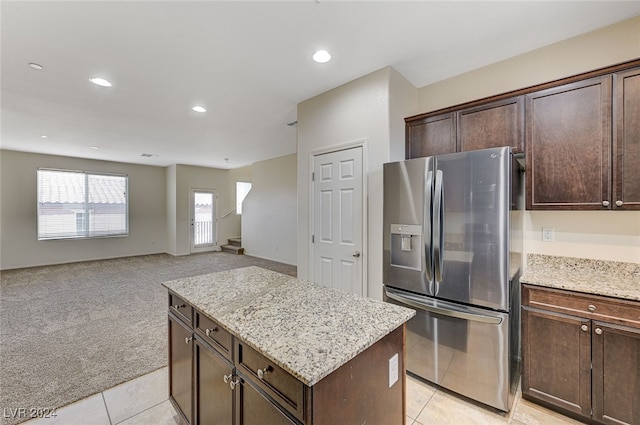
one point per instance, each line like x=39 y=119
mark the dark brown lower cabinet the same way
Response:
x=557 y=352
x=253 y=408
x=616 y=374
x=213 y=397
x=180 y=367
x=581 y=354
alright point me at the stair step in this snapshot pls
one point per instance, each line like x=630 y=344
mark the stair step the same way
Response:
x=234 y=249
x=235 y=241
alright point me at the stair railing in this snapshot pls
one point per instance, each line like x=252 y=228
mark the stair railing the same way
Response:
x=228 y=213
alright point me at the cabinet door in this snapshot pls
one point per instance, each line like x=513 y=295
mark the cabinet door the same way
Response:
x=431 y=136
x=253 y=408
x=626 y=176
x=492 y=125
x=213 y=397
x=180 y=368
x=568 y=144
x=556 y=354
x=616 y=374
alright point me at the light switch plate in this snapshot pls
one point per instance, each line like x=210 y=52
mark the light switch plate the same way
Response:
x=548 y=234
x=393 y=370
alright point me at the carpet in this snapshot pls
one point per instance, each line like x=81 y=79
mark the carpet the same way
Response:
x=72 y=330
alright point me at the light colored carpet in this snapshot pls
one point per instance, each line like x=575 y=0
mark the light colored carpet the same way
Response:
x=72 y=330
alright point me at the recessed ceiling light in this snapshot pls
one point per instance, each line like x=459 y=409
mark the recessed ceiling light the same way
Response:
x=36 y=66
x=43 y=136
x=321 y=56
x=199 y=108
x=100 y=82
x=95 y=147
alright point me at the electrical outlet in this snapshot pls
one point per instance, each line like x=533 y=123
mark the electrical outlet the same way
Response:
x=393 y=370
x=548 y=234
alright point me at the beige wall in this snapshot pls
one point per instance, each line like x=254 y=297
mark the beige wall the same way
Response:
x=607 y=235
x=19 y=246
x=172 y=218
x=607 y=46
x=269 y=212
x=360 y=110
x=191 y=177
x=403 y=102
x=230 y=216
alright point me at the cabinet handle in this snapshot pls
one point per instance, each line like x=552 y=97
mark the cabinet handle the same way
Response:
x=210 y=331
x=619 y=203
x=605 y=203
x=179 y=306
x=584 y=328
x=592 y=307
x=188 y=339
x=235 y=383
x=261 y=372
x=599 y=331
x=228 y=379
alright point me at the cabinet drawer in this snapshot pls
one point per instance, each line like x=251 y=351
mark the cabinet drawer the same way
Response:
x=181 y=309
x=276 y=382
x=583 y=305
x=214 y=334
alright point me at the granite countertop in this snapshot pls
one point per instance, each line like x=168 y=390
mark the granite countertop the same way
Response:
x=307 y=329
x=608 y=278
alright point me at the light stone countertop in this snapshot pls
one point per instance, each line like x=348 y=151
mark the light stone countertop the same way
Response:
x=608 y=278
x=307 y=329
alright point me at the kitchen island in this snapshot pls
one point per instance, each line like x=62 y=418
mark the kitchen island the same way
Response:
x=252 y=346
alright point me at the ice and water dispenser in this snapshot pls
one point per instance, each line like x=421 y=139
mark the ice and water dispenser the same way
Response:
x=406 y=246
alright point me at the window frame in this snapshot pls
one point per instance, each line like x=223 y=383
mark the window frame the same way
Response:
x=86 y=212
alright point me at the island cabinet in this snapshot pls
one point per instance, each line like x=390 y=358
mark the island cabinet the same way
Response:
x=581 y=354
x=626 y=175
x=180 y=356
x=241 y=354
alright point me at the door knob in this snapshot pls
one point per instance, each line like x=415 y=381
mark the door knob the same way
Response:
x=356 y=254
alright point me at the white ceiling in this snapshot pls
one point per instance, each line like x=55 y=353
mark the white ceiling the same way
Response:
x=248 y=63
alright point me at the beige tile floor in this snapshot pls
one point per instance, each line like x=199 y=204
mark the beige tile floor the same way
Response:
x=144 y=401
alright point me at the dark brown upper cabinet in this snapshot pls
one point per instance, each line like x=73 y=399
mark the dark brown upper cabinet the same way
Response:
x=492 y=125
x=430 y=136
x=626 y=156
x=568 y=144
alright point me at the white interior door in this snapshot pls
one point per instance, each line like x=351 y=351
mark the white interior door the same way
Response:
x=203 y=220
x=337 y=242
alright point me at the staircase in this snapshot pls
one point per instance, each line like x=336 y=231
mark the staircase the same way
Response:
x=234 y=246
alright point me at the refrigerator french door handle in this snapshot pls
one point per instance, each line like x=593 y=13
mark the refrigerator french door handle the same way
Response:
x=438 y=228
x=450 y=311
x=426 y=230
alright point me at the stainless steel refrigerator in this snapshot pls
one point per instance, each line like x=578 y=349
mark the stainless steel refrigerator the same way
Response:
x=452 y=252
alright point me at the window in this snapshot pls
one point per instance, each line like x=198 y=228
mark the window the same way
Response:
x=78 y=204
x=242 y=190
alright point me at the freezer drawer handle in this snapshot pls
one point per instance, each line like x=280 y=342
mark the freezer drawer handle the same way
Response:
x=444 y=311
